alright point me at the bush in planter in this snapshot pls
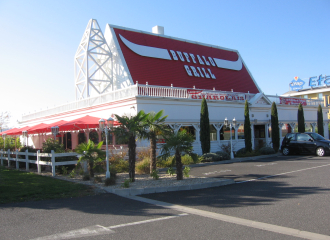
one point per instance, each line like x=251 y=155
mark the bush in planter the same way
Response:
x=266 y=150
x=210 y=157
x=241 y=152
x=223 y=155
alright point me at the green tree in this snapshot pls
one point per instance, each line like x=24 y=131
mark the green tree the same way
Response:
x=247 y=128
x=320 y=129
x=180 y=142
x=129 y=129
x=91 y=153
x=275 y=128
x=156 y=126
x=301 y=119
x=204 y=134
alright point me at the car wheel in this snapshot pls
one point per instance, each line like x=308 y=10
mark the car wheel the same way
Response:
x=320 y=151
x=285 y=151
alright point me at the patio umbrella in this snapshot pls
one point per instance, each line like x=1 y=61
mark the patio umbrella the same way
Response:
x=33 y=129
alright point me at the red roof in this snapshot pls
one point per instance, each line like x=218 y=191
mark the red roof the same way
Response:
x=164 y=72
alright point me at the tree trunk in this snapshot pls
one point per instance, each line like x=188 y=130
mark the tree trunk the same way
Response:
x=132 y=157
x=153 y=153
x=179 y=175
x=91 y=168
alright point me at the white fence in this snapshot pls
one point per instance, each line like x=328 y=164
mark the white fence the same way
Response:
x=14 y=156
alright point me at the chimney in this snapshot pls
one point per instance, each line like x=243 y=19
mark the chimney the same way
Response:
x=158 y=30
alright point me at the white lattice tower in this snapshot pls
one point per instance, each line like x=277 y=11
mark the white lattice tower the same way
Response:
x=93 y=63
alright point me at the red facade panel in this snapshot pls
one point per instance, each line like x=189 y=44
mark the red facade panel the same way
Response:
x=165 y=72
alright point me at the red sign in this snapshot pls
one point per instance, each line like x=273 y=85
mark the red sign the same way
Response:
x=199 y=94
x=293 y=101
x=163 y=61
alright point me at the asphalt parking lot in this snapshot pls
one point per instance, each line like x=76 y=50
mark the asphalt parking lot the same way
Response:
x=273 y=198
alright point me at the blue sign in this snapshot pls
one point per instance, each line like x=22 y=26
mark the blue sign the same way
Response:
x=297 y=84
x=320 y=81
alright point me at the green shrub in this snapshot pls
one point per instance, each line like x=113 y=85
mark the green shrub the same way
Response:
x=187 y=159
x=247 y=154
x=170 y=171
x=210 y=157
x=110 y=181
x=86 y=177
x=223 y=155
x=266 y=150
x=143 y=167
x=186 y=171
x=241 y=151
x=154 y=174
x=119 y=166
x=195 y=157
x=126 y=183
x=168 y=162
x=51 y=144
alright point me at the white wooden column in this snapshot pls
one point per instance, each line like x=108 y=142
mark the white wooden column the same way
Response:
x=175 y=127
x=197 y=129
x=292 y=125
x=218 y=127
x=252 y=135
x=326 y=129
x=313 y=126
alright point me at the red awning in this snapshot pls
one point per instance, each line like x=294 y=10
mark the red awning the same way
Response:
x=8 y=131
x=19 y=131
x=43 y=128
x=86 y=122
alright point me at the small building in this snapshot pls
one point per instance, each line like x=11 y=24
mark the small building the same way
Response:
x=126 y=70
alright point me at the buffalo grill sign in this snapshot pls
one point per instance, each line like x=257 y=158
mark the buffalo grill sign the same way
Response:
x=164 y=61
x=200 y=94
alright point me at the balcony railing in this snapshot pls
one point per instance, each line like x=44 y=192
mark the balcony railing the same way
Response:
x=165 y=92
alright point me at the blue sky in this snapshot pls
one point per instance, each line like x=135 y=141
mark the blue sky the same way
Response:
x=278 y=40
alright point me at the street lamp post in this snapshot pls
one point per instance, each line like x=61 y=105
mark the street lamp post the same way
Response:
x=55 y=131
x=226 y=123
x=106 y=128
x=25 y=134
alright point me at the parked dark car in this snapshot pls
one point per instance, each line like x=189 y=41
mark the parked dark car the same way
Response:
x=305 y=143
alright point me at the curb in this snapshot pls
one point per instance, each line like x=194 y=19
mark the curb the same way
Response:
x=235 y=160
x=139 y=191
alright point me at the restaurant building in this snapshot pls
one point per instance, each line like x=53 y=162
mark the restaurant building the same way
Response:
x=124 y=71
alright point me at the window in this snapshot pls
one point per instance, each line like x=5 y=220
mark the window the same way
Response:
x=190 y=130
x=303 y=137
x=225 y=133
x=240 y=132
x=213 y=133
x=320 y=95
x=109 y=138
x=94 y=136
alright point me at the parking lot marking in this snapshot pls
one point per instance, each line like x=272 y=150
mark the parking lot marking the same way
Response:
x=279 y=174
x=100 y=230
x=262 y=165
x=148 y=221
x=236 y=220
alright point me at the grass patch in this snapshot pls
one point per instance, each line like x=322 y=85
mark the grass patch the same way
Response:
x=18 y=186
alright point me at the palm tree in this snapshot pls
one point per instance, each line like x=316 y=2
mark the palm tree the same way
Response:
x=91 y=153
x=179 y=142
x=156 y=126
x=129 y=129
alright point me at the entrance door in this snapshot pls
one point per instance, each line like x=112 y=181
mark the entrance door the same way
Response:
x=67 y=141
x=259 y=136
